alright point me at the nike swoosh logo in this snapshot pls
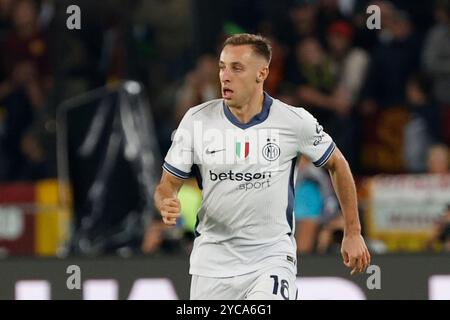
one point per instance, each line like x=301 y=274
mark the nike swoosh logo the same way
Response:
x=319 y=128
x=213 y=151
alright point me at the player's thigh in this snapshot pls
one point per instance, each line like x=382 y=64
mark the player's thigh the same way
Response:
x=277 y=283
x=207 y=288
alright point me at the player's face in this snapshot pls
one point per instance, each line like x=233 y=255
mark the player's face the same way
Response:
x=241 y=73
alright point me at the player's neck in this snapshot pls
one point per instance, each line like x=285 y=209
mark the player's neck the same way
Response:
x=247 y=111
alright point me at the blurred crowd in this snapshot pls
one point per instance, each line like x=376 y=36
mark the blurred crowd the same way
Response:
x=25 y=82
x=384 y=95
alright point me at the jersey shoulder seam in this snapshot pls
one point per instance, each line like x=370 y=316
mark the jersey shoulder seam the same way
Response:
x=290 y=108
x=203 y=106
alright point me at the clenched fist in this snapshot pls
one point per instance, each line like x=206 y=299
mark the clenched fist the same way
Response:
x=170 y=210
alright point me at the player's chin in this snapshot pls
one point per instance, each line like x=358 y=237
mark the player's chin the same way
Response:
x=231 y=102
x=227 y=98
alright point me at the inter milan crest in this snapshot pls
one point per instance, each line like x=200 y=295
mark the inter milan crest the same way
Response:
x=271 y=150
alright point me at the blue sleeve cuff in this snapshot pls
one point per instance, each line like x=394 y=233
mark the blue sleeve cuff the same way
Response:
x=176 y=172
x=324 y=158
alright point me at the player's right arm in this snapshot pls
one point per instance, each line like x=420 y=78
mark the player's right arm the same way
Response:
x=166 y=200
x=177 y=168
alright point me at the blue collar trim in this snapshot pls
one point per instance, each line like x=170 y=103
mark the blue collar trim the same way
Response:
x=257 y=119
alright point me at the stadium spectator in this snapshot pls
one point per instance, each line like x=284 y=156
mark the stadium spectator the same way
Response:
x=328 y=12
x=303 y=22
x=315 y=78
x=23 y=91
x=36 y=165
x=382 y=109
x=393 y=61
x=351 y=64
x=170 y=31
x=422 y=129
x=436 y=62
x=26 y=44
x=200 y=85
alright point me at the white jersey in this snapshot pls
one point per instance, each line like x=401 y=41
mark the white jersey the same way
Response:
x=246 y=173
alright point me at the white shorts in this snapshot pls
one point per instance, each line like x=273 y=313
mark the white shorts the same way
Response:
x=274 y=283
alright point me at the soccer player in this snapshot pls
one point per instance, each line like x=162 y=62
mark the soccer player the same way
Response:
x=243 y=150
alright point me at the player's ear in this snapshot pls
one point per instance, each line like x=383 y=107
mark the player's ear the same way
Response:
x=262 y=74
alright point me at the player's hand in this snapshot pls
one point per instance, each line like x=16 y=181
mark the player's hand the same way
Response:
x=170 y=211
x=355 y=254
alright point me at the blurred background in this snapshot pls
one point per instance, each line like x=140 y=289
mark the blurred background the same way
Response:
x=86 y=117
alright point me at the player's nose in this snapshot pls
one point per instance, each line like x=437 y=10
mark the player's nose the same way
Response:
x=224 y=76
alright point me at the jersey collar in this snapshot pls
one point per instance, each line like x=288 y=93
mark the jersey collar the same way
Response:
x=257 y=119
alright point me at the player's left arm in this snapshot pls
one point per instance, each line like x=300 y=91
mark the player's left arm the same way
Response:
x=354 y=251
